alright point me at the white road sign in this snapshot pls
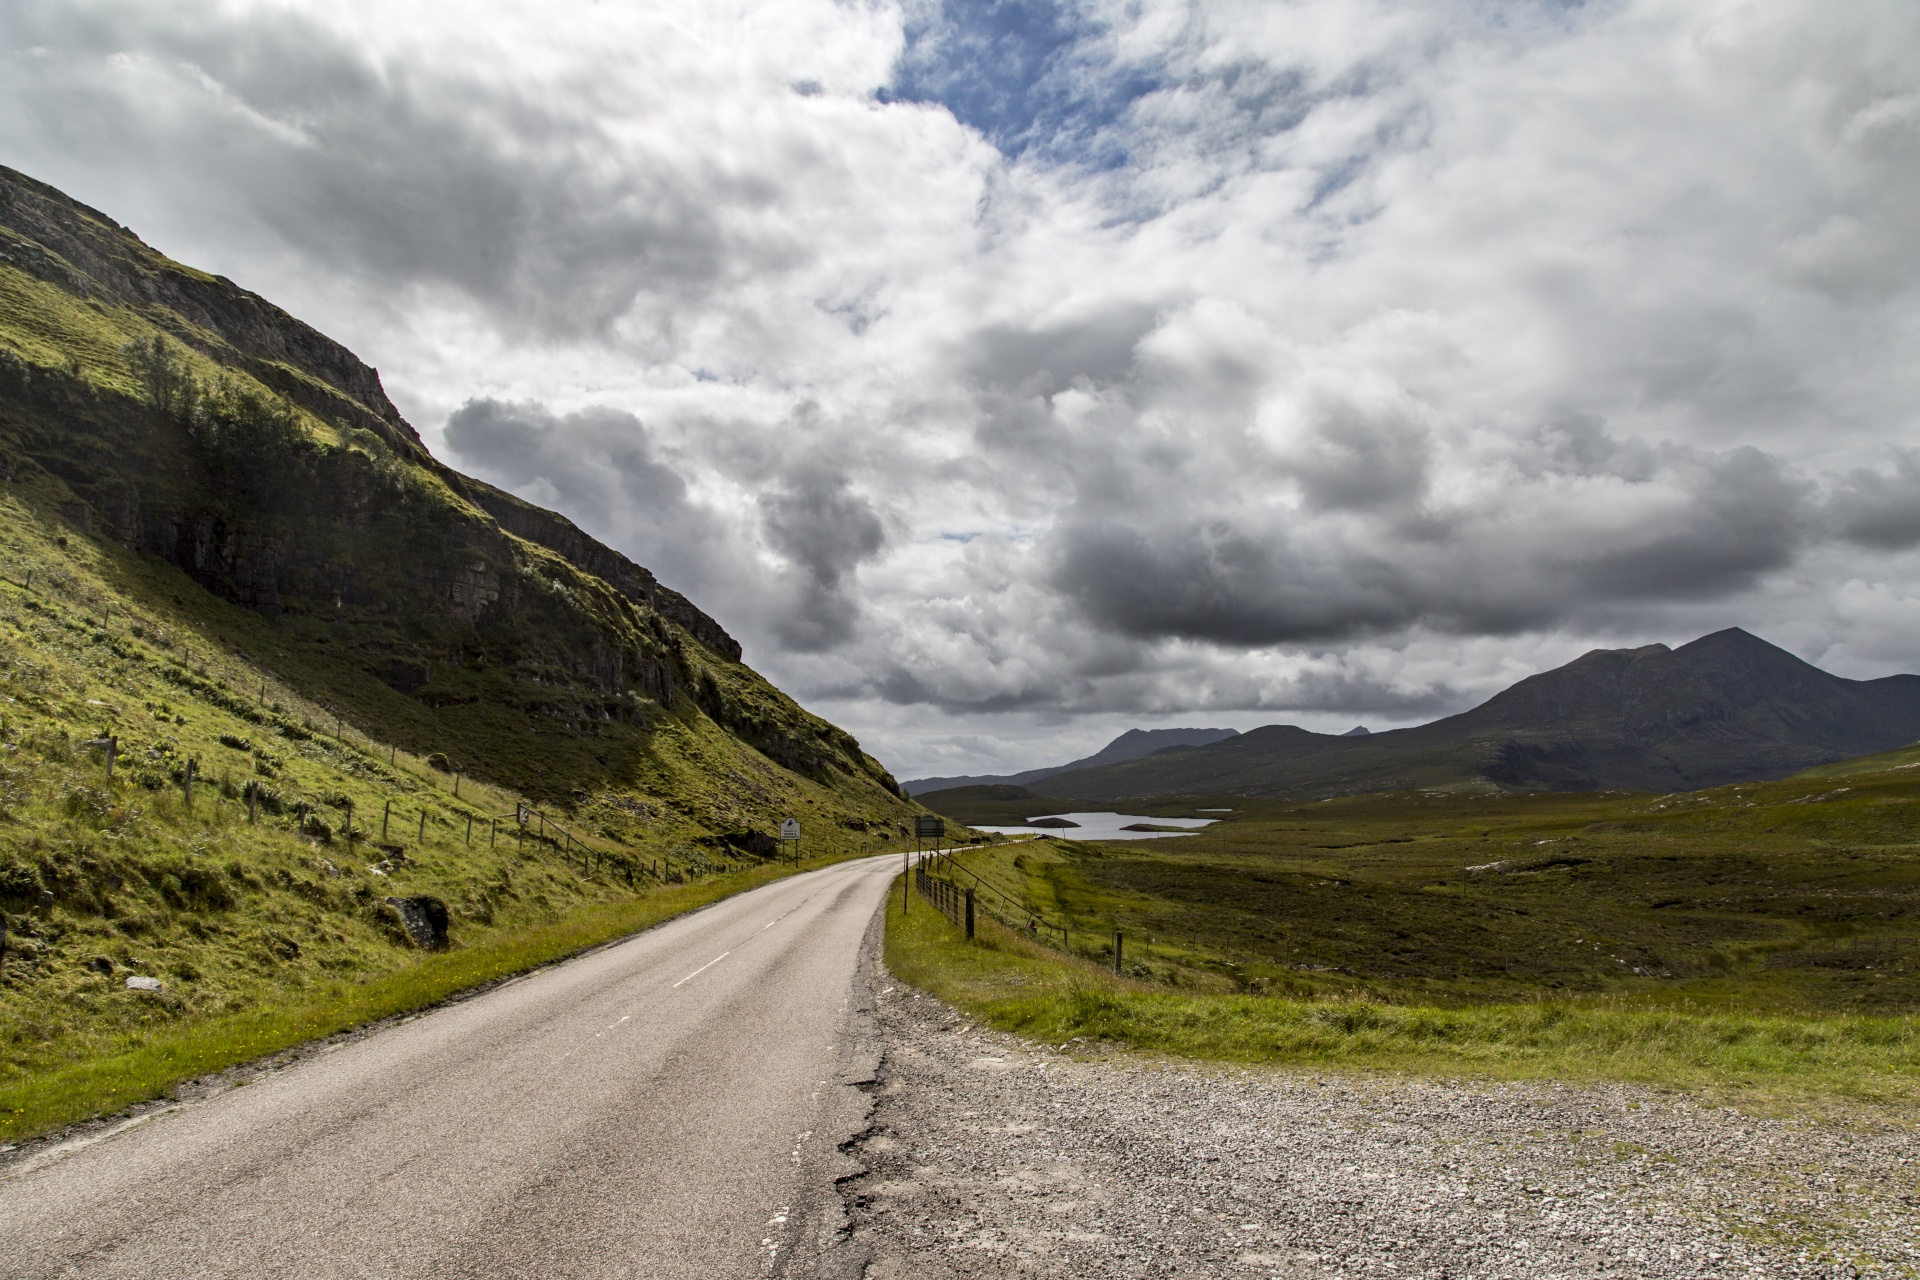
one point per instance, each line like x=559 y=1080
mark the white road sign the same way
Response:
x=790 y=829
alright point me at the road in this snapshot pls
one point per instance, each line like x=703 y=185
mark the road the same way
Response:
x=663 y=1107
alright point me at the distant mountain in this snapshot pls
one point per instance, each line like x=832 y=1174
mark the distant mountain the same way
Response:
x=1728 y=707
x=1131 y=745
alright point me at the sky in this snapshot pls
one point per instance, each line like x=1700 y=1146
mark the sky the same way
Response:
x=1006 y=375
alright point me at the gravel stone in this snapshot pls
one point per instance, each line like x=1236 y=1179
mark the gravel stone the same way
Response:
x=986 y=1155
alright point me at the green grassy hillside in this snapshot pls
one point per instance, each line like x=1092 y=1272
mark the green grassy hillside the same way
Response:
x=223 y=549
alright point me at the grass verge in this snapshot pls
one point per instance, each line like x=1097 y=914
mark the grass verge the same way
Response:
x=1763 y=1061
x=149 y=1064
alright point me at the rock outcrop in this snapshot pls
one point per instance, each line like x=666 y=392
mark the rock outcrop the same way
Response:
x=178 y=415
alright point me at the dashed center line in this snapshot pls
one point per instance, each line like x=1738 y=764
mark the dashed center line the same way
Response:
x=763 y=928
x=703 y=968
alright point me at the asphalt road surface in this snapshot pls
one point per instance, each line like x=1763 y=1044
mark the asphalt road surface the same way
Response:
x=668 y=1106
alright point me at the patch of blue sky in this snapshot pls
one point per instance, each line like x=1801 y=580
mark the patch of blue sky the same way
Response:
x=1037 y=78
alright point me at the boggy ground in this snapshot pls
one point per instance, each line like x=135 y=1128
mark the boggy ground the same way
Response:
x=1795 y=896
x=989 y=1155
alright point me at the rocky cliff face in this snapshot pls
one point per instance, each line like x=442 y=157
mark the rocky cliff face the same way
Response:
x=85 y=253
x=560 y=535
x=185 y=418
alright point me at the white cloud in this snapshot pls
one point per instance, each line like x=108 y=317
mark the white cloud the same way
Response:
x=1318 y=359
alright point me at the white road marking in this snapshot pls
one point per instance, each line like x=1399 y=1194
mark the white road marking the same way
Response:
x=64 y=1149
x=763 y=928
x=703 y=968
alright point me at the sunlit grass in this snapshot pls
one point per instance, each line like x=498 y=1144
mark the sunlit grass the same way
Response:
x=272 y=927
x=1013 y=984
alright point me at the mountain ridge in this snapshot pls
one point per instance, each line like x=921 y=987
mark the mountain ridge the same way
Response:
x=1727 y=707
x=1130 y=745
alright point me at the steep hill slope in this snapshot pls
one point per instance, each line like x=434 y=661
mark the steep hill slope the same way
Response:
x=174 y=414
x=1728 y=707
x=334 y=672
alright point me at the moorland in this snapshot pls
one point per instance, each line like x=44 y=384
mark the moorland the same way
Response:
x=1762 y=935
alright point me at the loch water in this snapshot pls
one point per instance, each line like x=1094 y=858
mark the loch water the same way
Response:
x=1104 y=826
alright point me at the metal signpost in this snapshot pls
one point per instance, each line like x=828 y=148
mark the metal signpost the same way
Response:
x=790 y=834
x=929 y=828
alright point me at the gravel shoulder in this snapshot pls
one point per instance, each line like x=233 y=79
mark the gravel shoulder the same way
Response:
x=986 y=1155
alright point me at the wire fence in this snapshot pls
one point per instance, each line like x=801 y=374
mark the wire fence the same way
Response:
x=954 y=888
x=213 y=670
x=530 y=823
x=228 y=678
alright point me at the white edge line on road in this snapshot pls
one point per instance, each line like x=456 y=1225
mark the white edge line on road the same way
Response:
x=64 y=1149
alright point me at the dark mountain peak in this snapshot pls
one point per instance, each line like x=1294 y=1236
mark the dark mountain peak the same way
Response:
x=1135 y=742
x=1727 y=707
x=1278 y=731
x=1131 y=745
x=1745 y=669
x=1358 y=731
x=1734 y=638
x=1609 y=687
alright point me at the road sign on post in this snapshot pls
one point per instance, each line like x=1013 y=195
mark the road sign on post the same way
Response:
x=929 y=828
x=790 y=834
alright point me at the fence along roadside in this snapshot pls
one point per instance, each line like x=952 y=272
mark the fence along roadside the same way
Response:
x=936 y=879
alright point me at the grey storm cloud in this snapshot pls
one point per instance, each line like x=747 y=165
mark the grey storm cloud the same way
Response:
x=600 y=459
x=413 y=175
x=1320 y=358
x=1039 y=360
x=1356 y=460
x=1255 y=579
x=826 y=532
x=1879 y=508
x=601 y=467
